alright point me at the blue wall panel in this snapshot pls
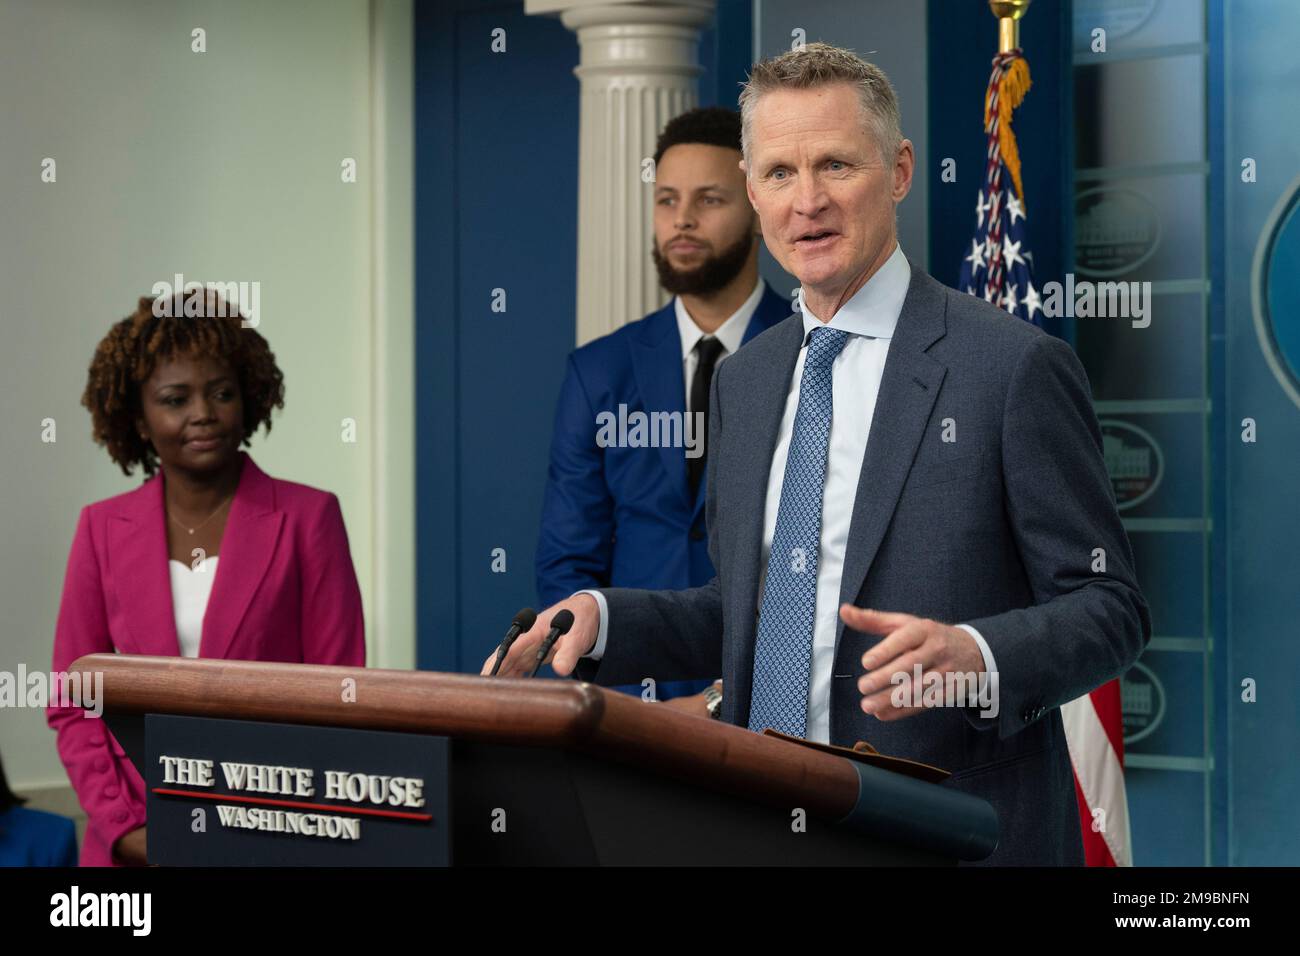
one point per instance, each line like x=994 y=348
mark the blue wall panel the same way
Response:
x=496 y=185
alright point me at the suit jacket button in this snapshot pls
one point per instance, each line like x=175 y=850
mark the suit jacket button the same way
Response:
x=120 y=818
x=697 y=534
x=101 y=765
x=111 y=792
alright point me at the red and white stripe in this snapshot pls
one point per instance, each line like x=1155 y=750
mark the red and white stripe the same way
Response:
x=1094 y=733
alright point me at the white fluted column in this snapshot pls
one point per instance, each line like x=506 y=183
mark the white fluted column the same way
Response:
x=638 y=68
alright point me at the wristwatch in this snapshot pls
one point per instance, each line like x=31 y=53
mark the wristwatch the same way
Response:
x=713 y=700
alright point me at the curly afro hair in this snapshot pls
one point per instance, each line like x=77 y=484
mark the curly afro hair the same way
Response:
x=127 y=356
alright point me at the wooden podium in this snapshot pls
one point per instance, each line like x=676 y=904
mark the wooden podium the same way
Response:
x=584 y=775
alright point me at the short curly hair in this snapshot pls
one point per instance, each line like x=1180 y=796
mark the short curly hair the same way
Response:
x=127 y=356
x=709 y=125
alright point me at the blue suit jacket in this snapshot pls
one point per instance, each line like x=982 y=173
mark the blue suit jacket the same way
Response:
x=996 y=530
x=36 y=838
x=625 y=517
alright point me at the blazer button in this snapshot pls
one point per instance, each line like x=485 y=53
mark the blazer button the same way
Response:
x=101 y=765
x=120 y=818
x=111 y=792
x=697 y=534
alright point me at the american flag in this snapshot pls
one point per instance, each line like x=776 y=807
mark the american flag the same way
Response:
x=999 y=266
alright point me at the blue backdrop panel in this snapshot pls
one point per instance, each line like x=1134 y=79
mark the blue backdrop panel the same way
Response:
x=1263 y=521
x=496 y=194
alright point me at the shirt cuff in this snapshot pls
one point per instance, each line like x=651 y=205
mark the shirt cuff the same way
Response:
x=989 y=666
x=597 y=652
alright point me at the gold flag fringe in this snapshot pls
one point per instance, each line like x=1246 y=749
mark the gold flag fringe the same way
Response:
x=1012 y=88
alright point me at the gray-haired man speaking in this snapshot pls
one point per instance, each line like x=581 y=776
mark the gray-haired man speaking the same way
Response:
x=904 y=483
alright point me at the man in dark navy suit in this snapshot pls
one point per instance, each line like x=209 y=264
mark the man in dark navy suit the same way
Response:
x=620 y=512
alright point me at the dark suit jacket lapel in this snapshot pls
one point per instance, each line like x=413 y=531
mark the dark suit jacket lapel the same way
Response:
x=138 y=569
x=249 y=541
x=772 y=310
x=657 y=365
x=908 y=389
x=757 y=403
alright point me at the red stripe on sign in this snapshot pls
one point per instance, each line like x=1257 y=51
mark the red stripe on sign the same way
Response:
x=269 y=802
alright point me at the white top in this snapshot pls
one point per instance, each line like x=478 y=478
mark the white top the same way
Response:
x=730 y=334
x=190 y=591
x=869 y=316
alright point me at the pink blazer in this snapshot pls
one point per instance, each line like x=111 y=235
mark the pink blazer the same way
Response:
x=285 y=590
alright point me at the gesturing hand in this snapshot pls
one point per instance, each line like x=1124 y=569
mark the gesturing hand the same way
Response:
x=939 y=648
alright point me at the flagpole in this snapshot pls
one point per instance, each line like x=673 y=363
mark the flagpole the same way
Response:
x=1008 y=13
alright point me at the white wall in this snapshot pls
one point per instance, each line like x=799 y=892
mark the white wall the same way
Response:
x=223 y=165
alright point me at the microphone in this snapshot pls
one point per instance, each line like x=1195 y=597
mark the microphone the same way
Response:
x=522 y=623
x=560 y=625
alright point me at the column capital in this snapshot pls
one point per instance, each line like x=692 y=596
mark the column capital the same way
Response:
x=638 y=68
x=581 y=13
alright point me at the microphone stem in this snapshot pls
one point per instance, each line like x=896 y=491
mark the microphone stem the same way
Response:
x=543 y=650
x=503 y=647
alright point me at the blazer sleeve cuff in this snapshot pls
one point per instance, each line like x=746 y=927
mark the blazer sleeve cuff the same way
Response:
x=602 y=634
x=977 y=715
x=117 y=822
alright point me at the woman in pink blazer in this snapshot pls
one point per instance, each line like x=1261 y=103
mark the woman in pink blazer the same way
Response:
x=210 y=557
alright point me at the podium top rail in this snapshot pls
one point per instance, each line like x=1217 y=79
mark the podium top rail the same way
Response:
x=573 y=715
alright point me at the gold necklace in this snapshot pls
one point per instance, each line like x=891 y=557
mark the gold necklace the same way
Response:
x=205 y=520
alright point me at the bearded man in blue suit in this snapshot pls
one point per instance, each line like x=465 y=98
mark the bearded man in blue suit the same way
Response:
x=623 y=513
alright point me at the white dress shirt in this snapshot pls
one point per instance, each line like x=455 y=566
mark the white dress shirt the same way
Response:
x=190 y=592
x=730 y=334
x=870 y=317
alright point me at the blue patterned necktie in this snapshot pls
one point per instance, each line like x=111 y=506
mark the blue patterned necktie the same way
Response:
x=785 y=623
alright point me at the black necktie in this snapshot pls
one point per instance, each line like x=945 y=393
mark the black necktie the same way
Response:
x=707 y=351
